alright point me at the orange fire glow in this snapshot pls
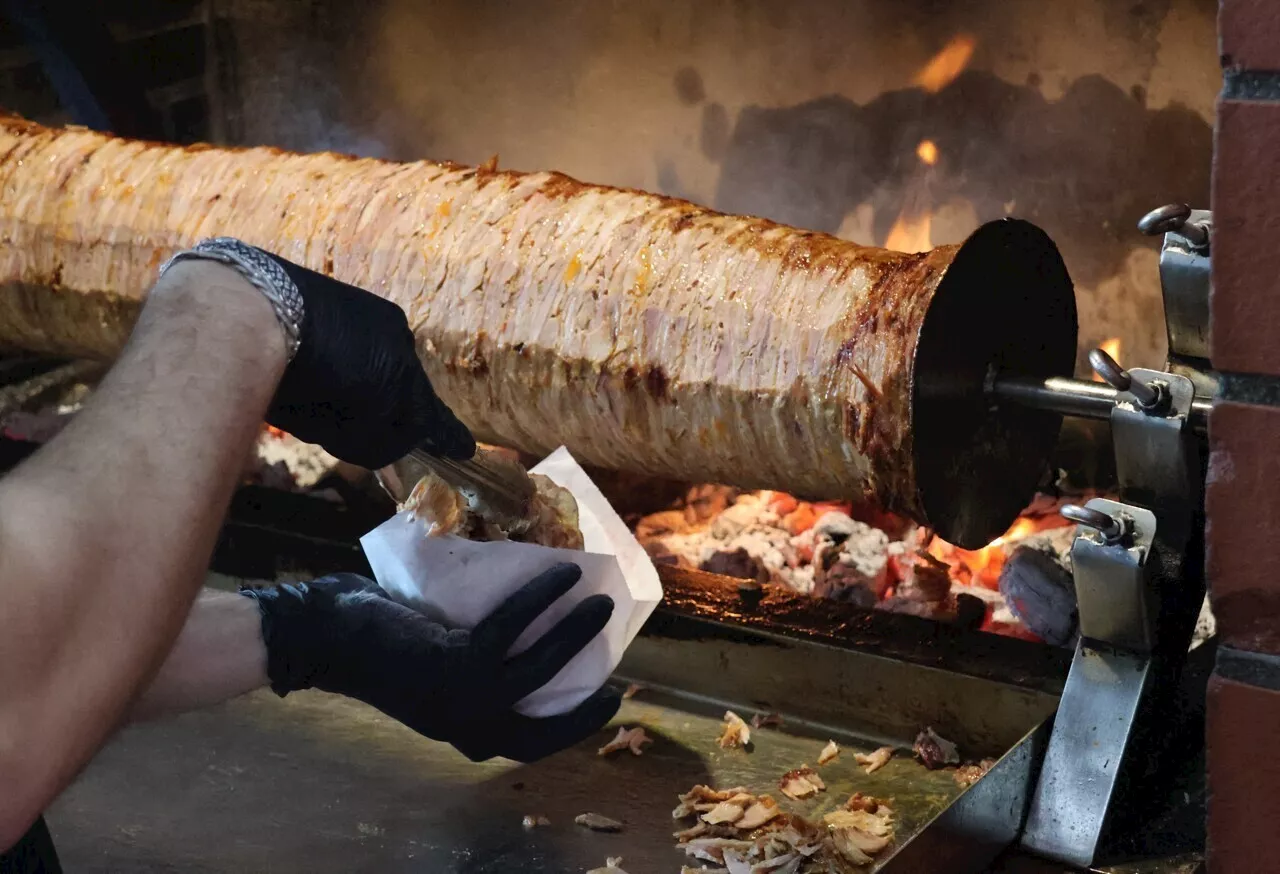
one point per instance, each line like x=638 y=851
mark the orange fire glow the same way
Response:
x=274 y=431
x=947 y=64
x=927 y=151
x=910 y=234
x=981 y=567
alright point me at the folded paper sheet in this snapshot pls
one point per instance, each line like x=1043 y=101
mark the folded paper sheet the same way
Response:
x=459 y=582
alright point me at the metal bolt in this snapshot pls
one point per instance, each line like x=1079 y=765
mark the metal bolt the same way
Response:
x=1111 y=528
x=1173 y=217
x=1121 y=380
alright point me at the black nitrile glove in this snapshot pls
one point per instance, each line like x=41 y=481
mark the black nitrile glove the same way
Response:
x=356 y=386
x=343 y=634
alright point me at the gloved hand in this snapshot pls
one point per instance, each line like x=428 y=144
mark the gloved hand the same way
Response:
x=356 y=386
x=343 y=634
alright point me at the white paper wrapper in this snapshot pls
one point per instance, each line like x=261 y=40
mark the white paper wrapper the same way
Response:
x=459 y=582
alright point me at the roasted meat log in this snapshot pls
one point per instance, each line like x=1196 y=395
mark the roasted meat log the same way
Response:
x=644 y=333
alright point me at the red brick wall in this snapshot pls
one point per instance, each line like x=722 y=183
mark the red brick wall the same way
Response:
x=1243 y=479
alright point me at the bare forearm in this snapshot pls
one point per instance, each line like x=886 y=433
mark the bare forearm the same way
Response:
x=219 y=654
x=104 y=532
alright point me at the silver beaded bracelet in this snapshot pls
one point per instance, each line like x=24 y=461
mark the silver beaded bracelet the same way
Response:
x=263 y=272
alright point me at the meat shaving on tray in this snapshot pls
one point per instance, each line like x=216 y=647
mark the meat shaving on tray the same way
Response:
x=633 y=739
x=873 y=761
x=766 y=720
x=829 y=752
x=801 y=783
x=752 y=835
x=597 y=823
x=934 y=750
x=551 y=518
x=967 y=775
x=735 y=733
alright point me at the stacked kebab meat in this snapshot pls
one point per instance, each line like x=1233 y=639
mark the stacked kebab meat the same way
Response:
x=643 y=333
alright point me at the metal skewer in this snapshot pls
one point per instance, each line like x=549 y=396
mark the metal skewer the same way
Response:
x=1088 y=400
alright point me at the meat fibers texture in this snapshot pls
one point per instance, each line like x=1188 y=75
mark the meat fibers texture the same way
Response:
x=644 y=333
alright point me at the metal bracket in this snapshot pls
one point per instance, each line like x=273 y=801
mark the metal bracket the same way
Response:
x=1109 y=678
x=1186 y=282
x=1113 y=588
x=1157 y=454
x=1127 y=634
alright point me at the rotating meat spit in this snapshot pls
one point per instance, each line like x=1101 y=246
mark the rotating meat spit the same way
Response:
x=1137 y=561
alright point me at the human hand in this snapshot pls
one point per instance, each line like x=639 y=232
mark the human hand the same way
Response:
x=343 y=634
x=356 y=386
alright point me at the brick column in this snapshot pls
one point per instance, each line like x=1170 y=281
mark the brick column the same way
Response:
x=1243 y=477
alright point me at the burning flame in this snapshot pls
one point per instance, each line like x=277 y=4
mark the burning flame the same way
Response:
x=943 y=67
x=275 y=432
x=910 y=234
x=981 y=567
x=1112 y=348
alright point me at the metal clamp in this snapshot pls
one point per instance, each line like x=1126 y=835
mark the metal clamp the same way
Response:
x=1150 y=396
x=1175 y=218
x=1185 y=281
x=1113 y=530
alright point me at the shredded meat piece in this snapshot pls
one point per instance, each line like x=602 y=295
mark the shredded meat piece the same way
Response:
x=551 y=519
x=633 y=739
x=764 y=840
x=801 y=783
x=702 y=798
x=736 y=733
x=726 y=812
x=612 y=865
x=696 y=830
x=967 y=775
x=598 y=823
x=438 y=505
x=868 y=803
x=859 y=835
x=829 y=753
x=874 y=761
x=935 y=751
x=632 y=690
x=759 y=813
x=766 y=720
